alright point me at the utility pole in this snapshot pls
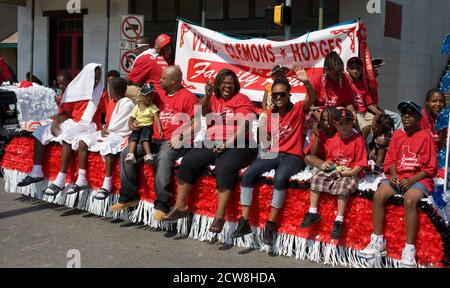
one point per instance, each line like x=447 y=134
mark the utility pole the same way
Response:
x=287 y=28
x=321 y=4
x=203 y=13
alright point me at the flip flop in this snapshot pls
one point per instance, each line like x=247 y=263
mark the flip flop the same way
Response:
x=217 y=225
x=75 y=188
x=52 y=190
x=101 y=194
x=29 y=180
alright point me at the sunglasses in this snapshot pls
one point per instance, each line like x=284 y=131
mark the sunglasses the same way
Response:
x=279 y=94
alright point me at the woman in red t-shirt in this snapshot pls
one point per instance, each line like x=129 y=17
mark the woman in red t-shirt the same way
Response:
x=284 y=128
x=434 y=104
x=228 y=116
x=410 y=166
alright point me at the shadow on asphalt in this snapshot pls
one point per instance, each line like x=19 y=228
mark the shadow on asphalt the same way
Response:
x=246 y=251
x=17 y=212
x=72 y=212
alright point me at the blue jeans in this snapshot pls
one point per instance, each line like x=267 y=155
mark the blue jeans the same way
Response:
x=285 y=165
x=397 y=190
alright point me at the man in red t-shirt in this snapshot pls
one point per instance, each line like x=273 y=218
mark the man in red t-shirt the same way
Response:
x=67 y=125
x=345 y=159
x=150 y=62
x=410 y=166
x=176 y=105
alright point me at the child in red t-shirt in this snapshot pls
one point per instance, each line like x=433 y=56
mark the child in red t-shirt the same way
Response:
x=345 y=158
x=434 y=104
x=410 y=166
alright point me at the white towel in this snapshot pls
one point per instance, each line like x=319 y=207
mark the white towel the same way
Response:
x=120 y=116
x=82 y=88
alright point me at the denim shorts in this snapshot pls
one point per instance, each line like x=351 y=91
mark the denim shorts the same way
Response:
x=417 y=185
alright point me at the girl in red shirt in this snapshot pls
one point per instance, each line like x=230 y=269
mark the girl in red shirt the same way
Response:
x=285 y=154
x=410 y=166
x=434 y=104
x=345 y=158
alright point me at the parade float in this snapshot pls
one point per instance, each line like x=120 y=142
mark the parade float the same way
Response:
x=201 y=53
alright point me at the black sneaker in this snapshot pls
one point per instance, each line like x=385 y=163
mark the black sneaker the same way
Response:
x=242 y=229
x=338 y=227
x=310 y=219
x=269 y=233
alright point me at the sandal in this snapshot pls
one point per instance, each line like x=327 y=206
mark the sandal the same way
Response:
x=101 y=194
x=52 y=190
x=176 y=214
x=217 y=225
x=29 y=180
x=75 y=188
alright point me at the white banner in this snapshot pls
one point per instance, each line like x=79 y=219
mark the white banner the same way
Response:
x=201 y=53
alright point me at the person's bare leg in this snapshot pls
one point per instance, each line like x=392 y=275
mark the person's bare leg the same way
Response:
x=245 y=212
x=66 y=156
x=224 y=196
x=132 y=147
x=383 y=193
x=82 y=155
x=38 y=152
x=183 y=192
x=274 y=214
x=341 y=203
x=314 y=199
x=109 y=165
x=412 y=197
x=147 y=148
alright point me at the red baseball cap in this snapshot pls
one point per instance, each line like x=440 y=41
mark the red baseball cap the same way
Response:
x=161 y=41
x=344 y=114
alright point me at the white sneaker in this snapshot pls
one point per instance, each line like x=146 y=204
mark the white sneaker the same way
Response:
x=374 y=248
x=130 y=159
x=148 y=159
x=408 y=258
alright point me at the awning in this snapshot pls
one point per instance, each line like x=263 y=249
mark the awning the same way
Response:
x=10 y=42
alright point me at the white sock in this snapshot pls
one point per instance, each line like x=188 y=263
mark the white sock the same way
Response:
x=60 y=180
x=410 y=246
x=340 y=218
x=313 y=210
x=378 y=238
x=37 y=171
x=107 y=183
x=81 y=180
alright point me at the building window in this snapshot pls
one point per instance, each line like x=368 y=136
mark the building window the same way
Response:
x=238 y=9
x=300 y=8
x=214 y=9
x=165 y=10
x=145 y=7
x=190 y=10
x=260 y=7
x=393 y=20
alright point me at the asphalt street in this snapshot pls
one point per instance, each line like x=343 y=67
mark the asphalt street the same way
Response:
x=34 y=233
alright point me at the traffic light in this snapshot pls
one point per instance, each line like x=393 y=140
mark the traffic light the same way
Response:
x=282 y=15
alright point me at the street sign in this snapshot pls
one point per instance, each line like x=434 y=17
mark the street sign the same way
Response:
x=131 y=27
x=127 y=58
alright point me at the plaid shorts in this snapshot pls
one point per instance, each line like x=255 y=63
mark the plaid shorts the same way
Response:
x=333 y=183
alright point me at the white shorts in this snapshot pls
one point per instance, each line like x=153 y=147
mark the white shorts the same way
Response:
x=69 y=132
x=111 y=144
x=364 y=119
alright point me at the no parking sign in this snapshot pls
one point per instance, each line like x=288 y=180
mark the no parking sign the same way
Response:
x=127 y=58
x=131 y=28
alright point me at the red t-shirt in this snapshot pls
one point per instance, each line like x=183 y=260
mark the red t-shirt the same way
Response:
x=350 y=152
x=374 y=96
x=330 y=93
x=182 y=103
x=147 y=69
x=362 y=98
x=227 y=111
x=428 y=122
x=411 y=155
x=289 y=131
x=322 y=138
x=4 y=71
x=75 y=110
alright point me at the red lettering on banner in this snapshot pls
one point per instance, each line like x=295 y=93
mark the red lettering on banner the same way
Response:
x=305 y=51
x=331 y=44
x=270 y=51
x=263 y=53
x=228 y=47
x=255 y=52
x=238 y=48
x=322 y=44
x=338 y=45
x=247 y=53
x=296 y=52
x=199 y=45
x=314 y=51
